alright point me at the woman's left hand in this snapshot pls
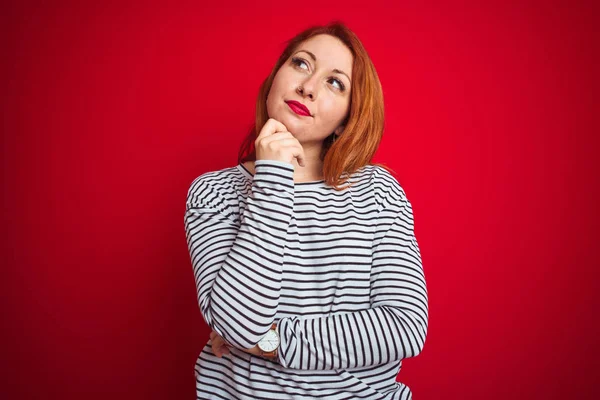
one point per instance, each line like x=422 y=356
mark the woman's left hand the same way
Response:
x=221 y=347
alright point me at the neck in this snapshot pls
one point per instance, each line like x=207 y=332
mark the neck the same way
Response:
x=313 y=166
x=312 y=171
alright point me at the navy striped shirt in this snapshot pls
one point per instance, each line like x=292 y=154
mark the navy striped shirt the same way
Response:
x=339 y=271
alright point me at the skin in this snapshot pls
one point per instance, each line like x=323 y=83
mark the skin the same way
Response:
x=221 y=347
x=327 y=96
x=325 y=93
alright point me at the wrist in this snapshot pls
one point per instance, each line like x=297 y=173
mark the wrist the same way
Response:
x=268 y=346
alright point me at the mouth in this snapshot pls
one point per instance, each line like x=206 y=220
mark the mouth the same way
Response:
x=298 y=108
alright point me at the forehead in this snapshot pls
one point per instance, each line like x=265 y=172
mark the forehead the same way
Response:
x=330 y=51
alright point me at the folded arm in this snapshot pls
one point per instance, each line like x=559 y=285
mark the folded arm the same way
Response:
x=393 y=328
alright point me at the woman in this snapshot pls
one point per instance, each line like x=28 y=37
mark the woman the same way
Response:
x=306 y=264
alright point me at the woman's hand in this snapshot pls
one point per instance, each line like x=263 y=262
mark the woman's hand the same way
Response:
x=274 y=142
x=221 y=347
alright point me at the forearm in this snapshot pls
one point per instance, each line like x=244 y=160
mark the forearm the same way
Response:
x=239 y=268
x=356 y=339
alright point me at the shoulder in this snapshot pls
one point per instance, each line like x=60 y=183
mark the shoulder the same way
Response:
x=386 y=188
x=215 y=189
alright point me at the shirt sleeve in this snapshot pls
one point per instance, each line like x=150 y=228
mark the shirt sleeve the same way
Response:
x=395 y=325
x=238 y=266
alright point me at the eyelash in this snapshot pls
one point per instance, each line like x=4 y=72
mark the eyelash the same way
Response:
x=297 y=61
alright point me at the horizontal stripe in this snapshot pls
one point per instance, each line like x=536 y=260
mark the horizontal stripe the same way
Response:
x=339 y=271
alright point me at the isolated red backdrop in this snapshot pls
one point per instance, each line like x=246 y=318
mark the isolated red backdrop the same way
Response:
x=110 y=111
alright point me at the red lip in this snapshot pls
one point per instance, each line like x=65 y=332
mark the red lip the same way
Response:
x=298 y=108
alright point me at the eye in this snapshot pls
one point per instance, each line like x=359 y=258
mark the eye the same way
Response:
x=341 y=85
x=298 y=61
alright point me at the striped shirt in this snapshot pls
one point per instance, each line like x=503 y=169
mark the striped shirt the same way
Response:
x=339 y=271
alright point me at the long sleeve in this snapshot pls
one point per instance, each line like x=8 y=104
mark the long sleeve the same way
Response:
x=395 y=325
x=238 y=266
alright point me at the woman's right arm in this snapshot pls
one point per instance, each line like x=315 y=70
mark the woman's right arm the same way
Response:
x=237 y=267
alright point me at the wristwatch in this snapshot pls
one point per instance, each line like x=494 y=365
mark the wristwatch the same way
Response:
x=269 y=344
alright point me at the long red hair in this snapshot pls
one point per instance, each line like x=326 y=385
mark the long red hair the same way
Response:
x=357 y=144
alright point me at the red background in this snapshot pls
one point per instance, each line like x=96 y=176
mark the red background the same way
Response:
x=110 y=111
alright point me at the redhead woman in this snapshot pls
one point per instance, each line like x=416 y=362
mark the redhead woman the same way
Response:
x=306 y=263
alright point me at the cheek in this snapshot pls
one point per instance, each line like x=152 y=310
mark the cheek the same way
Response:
x=335 y=110
x=282 y=81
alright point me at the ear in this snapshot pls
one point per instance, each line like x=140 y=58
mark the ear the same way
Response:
x=339 y=129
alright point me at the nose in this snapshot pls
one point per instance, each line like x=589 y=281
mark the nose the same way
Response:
x=303 y=92
x=308 y=89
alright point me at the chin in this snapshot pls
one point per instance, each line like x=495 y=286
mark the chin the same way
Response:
x=291 y=122
x=287 y=120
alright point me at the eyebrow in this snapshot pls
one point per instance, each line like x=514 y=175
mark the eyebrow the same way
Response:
x=337 y=71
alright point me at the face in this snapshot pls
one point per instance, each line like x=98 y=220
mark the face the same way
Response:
x=322 y=67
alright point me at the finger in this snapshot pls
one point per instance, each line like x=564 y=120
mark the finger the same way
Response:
x=276 y=136
x=275 y=126
x=301 y=158
x=271 y=126
x=298 y=153
x=286 y=141
x=218 y=340
x=218 y=348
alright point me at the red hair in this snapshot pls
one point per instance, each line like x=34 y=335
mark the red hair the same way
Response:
x=357 y=144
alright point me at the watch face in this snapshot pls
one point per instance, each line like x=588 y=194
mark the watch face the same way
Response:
x=270 y=342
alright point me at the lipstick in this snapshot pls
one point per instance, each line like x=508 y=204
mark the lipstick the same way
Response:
x=298 y=108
